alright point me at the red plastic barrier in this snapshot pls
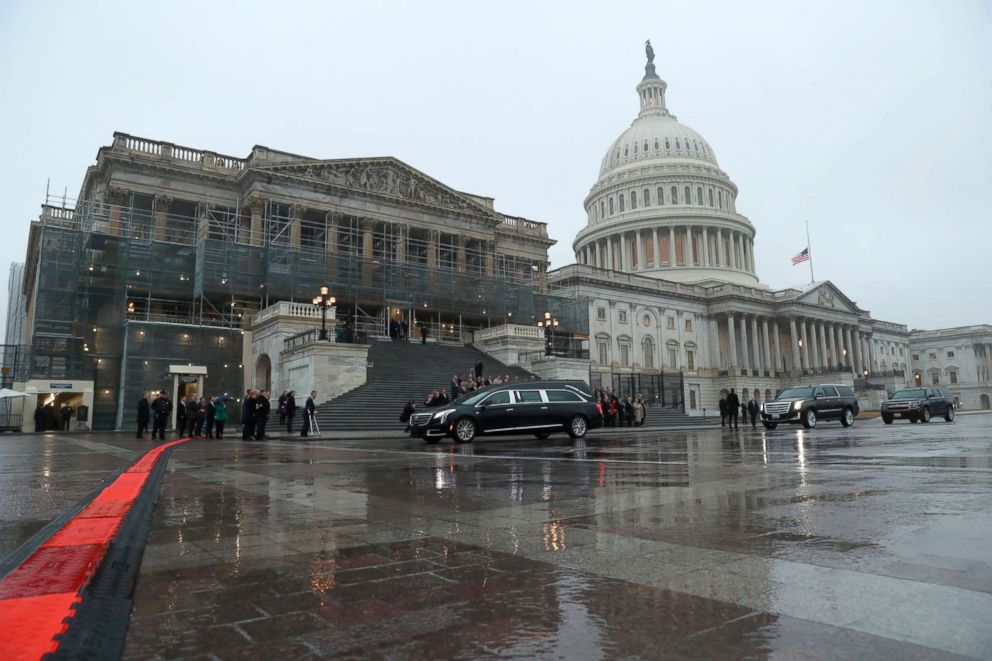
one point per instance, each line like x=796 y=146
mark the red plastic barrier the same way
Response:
x=37 y=597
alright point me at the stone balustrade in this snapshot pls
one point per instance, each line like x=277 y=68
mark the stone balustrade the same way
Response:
x=507 y=330
x=166 y=150
x=295 y=311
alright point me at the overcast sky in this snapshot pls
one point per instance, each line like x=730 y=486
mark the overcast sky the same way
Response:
x=871 y=120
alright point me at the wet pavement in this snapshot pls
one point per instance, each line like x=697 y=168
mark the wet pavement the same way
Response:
x=874 y=542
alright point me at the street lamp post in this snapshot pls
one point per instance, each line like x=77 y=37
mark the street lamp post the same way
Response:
x=865 y=373
x=324 y=301
x=549 y=323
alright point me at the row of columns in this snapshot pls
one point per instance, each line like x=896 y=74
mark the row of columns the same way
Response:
x=813 y=344
x=702 y=246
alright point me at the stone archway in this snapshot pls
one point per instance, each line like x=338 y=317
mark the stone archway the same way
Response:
x=263 y=372
x=985 y=402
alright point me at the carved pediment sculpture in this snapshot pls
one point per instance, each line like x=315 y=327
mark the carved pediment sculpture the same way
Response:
x=825 y=298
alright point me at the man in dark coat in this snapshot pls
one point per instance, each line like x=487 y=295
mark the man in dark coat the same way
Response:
x=733 y=408
x=192 y=410
x=181 y=416
x=262 y=410
x=290 y=410
x=66 y=413
x=144 y=415
x=309 y=410
x=282 y=407
x=424 y=332
x=752 y=410
x=39 y=418
x=248 y=417
x=478 y=369
x=723 y=409
x=162 y=409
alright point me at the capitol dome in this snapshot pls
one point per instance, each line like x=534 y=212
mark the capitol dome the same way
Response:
x=662 y=207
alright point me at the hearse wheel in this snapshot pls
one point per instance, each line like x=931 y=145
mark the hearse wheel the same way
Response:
x=577 y=427
x=464 y=430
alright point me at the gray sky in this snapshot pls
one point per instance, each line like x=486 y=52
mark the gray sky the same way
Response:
x=871 y=120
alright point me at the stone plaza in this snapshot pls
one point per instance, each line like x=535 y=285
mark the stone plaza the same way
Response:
x=869 y=542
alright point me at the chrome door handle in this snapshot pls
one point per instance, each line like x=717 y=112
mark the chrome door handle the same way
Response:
x=544 y=408
x=509 y=409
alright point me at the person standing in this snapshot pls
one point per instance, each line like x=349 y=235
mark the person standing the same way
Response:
x=209 y=417
x=220 y=417
x=290 y=410
x=262 y=410
x=424 y=332
x=282 y=408
x=733 y=408
x=190 y=418
x=162 y=409
x=144 y=415
x=478 y=369
x=248 y=417
x=752 y=410
x=309 y=411
x=66 y=413
x=181 y=416
x=723 y=409
x=201 y=416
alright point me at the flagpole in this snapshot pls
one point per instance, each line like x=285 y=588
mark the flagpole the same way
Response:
x=809 y=247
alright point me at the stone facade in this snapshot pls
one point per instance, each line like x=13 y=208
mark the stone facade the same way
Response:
x=959 y=359
x=330 y=368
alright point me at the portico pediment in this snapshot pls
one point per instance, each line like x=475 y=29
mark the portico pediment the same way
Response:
x=382 y=176
x=826 y=295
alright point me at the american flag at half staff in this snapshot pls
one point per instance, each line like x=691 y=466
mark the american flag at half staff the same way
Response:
x=801 y=257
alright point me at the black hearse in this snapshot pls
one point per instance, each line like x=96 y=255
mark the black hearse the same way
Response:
x=522 y=407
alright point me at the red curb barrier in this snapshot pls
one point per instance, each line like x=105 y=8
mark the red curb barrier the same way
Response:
x=38 y=596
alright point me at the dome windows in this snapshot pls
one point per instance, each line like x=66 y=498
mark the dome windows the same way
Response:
x=661 y=195
x=678 y=145
x=635 y=149
x=611 y=206
x=668 y=145
x=710 y=191
x=647 y=197
x=656 y=144
x=688 y=196
x=626 y=152
x=675 y=195
x=602 y=209
x=645 y=146
x=633 y=200
x=719 y=198
x=620 y=199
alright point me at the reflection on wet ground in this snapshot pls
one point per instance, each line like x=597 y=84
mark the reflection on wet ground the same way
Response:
x=871 y=542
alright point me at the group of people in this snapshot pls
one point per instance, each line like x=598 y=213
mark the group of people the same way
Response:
x=730 y=404
x=206 y=417
x=197 y=417
x=621 y=410
x=46 y=420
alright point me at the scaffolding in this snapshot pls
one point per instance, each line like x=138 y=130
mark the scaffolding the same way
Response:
x=188 y=273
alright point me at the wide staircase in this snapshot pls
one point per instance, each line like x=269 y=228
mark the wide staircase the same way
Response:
x=399 y=372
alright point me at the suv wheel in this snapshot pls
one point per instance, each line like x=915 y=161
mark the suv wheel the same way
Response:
x=925 y=415
x=809 y=419
x=847 y=418
x=949 y=416
x=887 y=419
x=465 y=430
x=577 y=427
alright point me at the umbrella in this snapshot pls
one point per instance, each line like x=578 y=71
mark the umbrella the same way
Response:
x=7 y=392
x=223 y=398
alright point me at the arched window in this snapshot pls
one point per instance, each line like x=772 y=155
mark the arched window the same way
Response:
x=710 y=191
x=621 y=199
x=675 y=195
x=699 y=195
x=719 y=197
x=656 y=144
x=611 y=206
x=647 y=197
x=688 y=196
x=647 y=346
x=602 y=209
x=668 y=145
x=635 y=149
x=768 y=394
x=673 y=354
x=645 y=146
x=626 y=152
x=661 y=195
x=633 y=200
x=744 y=396
x=678 y=145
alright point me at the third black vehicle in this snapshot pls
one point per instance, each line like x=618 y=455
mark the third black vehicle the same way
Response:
x=809 y=404
x=919 y=405
x=525 y=407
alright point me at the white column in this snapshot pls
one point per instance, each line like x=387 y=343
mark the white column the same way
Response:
x=705 y=248
x=642 y=251
x=656 y=247
x=756 y=344
x=778 y=351
x=687 y=248
x=794 y=341
x=733 y=365
x=821 y=327
x=721 y=248
x=672 y=261
x=624 y=253
x=768 y=364
x=806 y=352
x=714 y=339
x=745 y=358
x=851 y=364
x=833 y=344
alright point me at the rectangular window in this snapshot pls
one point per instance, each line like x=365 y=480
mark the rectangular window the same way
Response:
x=916 y=357
x=692 y=399
x=601 y=314
x=622 y=315
x=690 y=359
x=603 y=353
x=933 y=356
x=624 y=355
x=954 y=377
x=671 y=323
x=950 y=354
x=673 y=358
x=935 y=378
x=688 y=324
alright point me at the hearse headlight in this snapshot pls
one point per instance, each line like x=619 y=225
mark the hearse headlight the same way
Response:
x=441 y=416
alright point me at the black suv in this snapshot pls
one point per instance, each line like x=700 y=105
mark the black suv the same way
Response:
x=538 y=407
x=919 y=405
x=808 y=404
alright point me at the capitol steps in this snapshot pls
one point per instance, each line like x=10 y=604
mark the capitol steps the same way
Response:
x=398 y=372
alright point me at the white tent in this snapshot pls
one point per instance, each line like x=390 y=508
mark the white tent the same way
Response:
x=7 y=392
